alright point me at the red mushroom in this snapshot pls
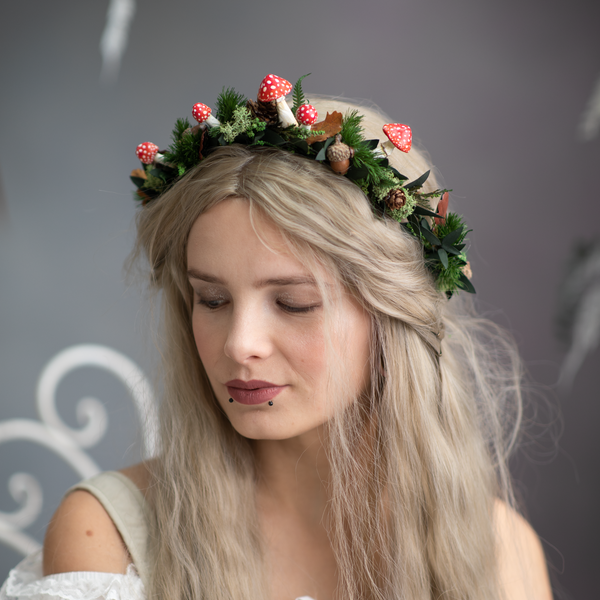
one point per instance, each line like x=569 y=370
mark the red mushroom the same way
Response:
x=307 y=114
x=201 y=113
x=277 y=88
x=400 y=135
x=146 y=152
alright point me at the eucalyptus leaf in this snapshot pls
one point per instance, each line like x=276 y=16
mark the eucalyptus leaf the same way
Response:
x=443 y=257
x=452 y=237
x=465 y=284
x=430 y=237
x=420 y=210
x=450 y=249
x=398 y=174
x=418 y=182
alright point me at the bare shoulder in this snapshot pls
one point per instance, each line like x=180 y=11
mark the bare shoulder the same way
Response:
x=522 y=564
x=82 y=537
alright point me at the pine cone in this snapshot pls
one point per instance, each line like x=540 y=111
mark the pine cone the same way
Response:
x=395 y=199
x=265 y=111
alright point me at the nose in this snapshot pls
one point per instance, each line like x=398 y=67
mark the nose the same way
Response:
x=249 y=334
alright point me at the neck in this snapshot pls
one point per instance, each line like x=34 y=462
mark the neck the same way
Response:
x=293 y=475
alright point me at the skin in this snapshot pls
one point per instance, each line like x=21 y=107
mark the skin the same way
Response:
x=251 y=325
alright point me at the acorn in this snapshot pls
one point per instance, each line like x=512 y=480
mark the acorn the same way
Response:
x=339 y=155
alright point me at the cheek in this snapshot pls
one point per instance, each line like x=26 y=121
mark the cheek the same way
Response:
x=208 y=342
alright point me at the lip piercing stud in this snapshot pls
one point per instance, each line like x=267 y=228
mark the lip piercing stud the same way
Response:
x=230 y=399
x=270 y=402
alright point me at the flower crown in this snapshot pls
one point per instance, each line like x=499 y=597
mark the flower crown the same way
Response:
x=337 y=141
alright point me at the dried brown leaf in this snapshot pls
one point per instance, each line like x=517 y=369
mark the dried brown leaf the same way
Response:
x=331 y=125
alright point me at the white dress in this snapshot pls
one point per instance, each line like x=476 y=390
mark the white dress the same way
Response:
x=128 y=509
x=25 y=582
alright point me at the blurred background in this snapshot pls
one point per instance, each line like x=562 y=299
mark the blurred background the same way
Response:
x=505 y=97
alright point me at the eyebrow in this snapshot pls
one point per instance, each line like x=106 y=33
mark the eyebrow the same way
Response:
x=299 y=280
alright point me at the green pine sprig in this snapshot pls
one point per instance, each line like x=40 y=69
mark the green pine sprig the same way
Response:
x=227 y=101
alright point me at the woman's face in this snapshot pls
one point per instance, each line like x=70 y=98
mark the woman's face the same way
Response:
x=258 y=325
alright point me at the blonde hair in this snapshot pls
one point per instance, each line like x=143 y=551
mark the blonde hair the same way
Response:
x=416 y=461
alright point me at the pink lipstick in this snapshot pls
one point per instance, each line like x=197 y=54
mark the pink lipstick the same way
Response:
x=253 y=391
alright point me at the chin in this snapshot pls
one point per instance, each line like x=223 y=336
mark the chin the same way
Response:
x=267 y=427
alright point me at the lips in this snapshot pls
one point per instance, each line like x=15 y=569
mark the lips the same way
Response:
x=254 y=391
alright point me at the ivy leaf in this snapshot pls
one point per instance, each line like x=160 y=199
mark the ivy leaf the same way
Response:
x=418 y=182
x=443 y=257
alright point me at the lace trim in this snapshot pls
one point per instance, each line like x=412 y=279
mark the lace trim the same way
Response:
x=26 y=581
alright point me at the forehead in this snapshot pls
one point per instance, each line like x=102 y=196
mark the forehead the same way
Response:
x=226 y=236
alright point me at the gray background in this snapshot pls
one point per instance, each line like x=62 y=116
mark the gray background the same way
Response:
x=495 y=90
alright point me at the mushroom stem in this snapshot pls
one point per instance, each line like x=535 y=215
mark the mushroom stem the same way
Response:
x=286 y=116
x=212 y=121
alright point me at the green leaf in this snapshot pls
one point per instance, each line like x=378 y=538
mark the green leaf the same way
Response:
x=398 y=174
x=357 y=172
x=138 y=181
x=322 y=155
x=443 y=257
x=450 y=249
x=271 y=137
x=452 y=237
x=465 y=284
x=420 y=210
x=370 y=144
x=302 y=146
x=298 y=94
x=418 y=182
x=430 y=237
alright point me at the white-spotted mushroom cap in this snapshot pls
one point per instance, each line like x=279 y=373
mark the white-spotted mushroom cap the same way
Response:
x=273 y=87
x=146 y=152
x=277 y=88
x=307 y=114
x=201 y=112
x=400 y=135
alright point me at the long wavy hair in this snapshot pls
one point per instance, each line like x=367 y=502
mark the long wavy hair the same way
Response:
x=417 y=461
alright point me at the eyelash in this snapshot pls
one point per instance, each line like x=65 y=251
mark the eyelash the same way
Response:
x=285 y=307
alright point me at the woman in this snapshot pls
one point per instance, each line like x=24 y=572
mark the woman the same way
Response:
x=333 y=426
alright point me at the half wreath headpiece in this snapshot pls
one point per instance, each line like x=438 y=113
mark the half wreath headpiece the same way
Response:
x=337 y=141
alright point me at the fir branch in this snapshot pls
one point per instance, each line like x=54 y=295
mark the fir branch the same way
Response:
x=352 y=130
x=227 y=102
x=451 y=223
x=298 y=94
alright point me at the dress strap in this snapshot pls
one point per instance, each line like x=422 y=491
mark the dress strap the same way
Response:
x=129 y=511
